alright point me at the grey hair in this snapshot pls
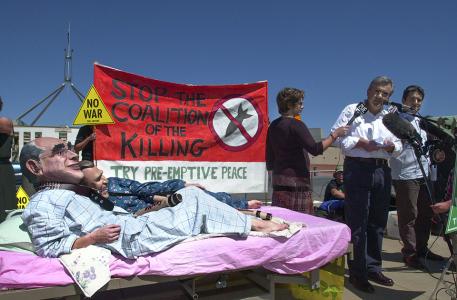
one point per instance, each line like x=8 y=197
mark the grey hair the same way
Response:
x=86 y=164
x=381 y=80
x=29 y=151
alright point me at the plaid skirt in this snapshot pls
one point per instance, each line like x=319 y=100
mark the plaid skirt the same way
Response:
x=293 y=193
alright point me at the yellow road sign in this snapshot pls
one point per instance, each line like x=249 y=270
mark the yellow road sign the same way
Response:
x=22 y=198
x=93 y=111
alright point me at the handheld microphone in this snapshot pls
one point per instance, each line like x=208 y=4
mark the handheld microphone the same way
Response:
x=170 y=201
x=257 y=213
x=402 y=129
x=360 y=109
x=400 y=107
x=174 y=199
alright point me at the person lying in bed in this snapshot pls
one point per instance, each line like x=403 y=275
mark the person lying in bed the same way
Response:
x=59 y=220
x=134 y=196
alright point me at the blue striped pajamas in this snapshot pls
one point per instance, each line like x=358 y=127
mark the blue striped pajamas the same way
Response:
x=56 y=218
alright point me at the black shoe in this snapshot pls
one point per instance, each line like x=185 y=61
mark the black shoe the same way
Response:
x=380 y=278
x=361 y=285
x=427 y=254
x=452 y=267
x=413 y=261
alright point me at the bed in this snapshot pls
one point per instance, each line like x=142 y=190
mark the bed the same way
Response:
x=27 y=276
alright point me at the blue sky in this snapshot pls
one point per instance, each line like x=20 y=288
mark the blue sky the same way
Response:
x=331 y=49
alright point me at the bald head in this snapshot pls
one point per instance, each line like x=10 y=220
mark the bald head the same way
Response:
x=49 y=159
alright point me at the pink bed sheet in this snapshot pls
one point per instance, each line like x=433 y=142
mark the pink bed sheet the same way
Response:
x=312 y=247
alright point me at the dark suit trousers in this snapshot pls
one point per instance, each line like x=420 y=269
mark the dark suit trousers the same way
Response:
x=414 y=215
x=367 y=188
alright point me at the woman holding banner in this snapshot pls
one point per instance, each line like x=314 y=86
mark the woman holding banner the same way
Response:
x=288 y=144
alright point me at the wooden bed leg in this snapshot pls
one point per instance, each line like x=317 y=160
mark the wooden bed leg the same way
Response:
x=73 y=297
x=314 y=279
x=272 y=289
x=191 y=291
x=221 y=282
x=350 y=251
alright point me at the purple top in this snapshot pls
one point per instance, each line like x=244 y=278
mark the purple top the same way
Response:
x=288 y=144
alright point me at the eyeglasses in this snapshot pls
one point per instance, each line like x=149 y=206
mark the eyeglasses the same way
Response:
x=59 y=149
x=383 y=94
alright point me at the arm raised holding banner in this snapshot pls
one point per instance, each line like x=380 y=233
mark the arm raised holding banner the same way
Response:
x=84 y=142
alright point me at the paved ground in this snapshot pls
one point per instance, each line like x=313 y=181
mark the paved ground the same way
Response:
x=409 y=283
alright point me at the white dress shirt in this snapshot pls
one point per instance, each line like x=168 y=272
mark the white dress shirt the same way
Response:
x=369 y=127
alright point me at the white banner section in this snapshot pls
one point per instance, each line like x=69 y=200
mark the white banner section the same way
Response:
x=229 y=177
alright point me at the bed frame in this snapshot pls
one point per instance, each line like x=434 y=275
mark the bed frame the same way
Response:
x=261 y=277
x=191 y=284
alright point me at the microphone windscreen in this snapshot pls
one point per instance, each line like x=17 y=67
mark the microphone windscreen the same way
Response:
x=434 y=130
x=399 y=127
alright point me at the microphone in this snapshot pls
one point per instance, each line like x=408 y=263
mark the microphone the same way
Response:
x=400 y=107
x=170 y=201
x=436 y=131
x=174 y=199
x=360 y=109
x=258 y=213
x=402 y=129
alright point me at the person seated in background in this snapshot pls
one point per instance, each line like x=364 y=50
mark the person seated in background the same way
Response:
x=333 y=203
x=335 y=188
x=134 y=196
x=59 y=219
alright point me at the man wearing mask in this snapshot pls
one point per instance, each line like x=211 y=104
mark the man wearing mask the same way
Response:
x=59 y=218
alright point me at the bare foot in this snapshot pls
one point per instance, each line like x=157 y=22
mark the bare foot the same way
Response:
x=267 y=226
x=252 y=204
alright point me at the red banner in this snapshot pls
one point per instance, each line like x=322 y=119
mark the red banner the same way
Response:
x=164 y=121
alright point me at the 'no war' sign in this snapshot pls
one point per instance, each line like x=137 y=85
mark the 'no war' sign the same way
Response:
x=93 y=111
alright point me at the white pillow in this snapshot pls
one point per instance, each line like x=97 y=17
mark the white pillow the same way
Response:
x=13 y=234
